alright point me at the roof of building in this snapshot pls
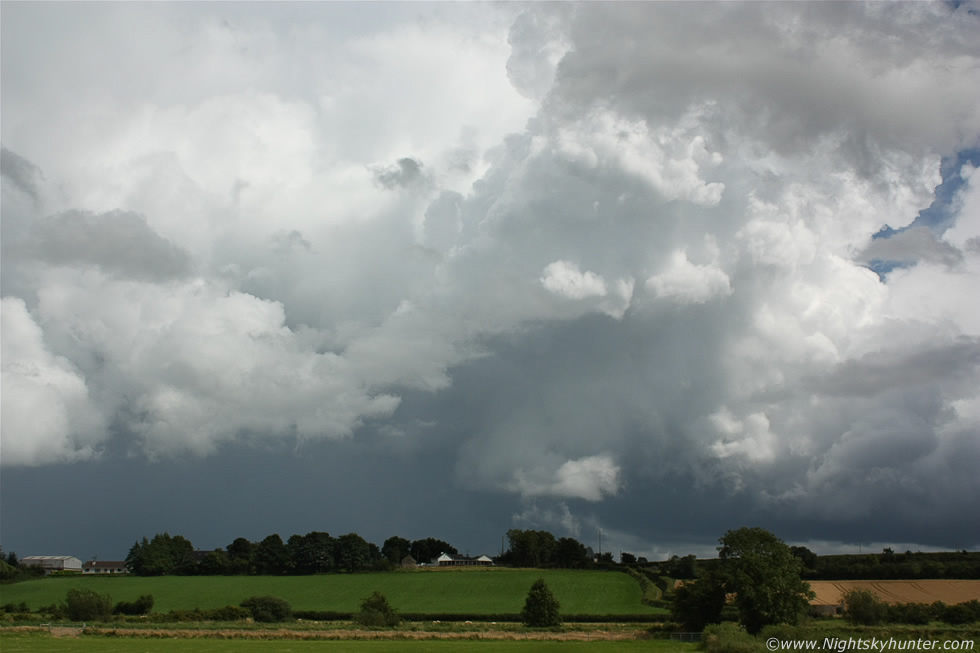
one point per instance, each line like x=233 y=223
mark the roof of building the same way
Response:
x=104 y=564
x=459 y=557
x=52 y=558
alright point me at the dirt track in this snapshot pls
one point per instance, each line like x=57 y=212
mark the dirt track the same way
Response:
x=831 y=592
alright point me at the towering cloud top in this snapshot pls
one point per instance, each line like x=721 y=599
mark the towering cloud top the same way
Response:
x=593 y=251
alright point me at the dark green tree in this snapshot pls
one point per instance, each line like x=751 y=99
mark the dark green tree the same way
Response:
x=864 y=607
x=163 y=555
x=429 y=549
x=353 y=553
x=765 y=577
x=806 y=556
x=530 y=548
x=311 y=553
x=570 y=554
x=215 y=563
x=395 y=548
x=698 y=603
x=541 y=607
x=376 y=612
x=271 y=557
x=682 y=568
x=241 y=554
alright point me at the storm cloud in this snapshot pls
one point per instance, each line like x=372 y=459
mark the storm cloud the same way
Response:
x=592 y=266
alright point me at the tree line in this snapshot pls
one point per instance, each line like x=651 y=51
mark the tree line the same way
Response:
x=889 y=565
x=314 y=553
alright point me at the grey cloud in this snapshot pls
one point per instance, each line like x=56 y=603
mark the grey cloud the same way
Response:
x=405 y=172
x=119 y=242
x=879 y=372
x=285 y=242
x=22 y=173
x=771 y=68
x=910 y=246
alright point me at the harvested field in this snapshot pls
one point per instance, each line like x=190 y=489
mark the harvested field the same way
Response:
x=831 y=592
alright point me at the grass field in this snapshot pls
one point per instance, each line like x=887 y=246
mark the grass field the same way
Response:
x=17 y=643
x=485 y=591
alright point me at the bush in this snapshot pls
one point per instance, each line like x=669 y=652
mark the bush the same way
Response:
x=541 y=607
x=729 y=638
x=87 y=605
x=961 y=613
x=229 y=613
x=376 y=612
x=268 y=609
x=864 y=608
x=20 y=608
x=917 y=614
x=142 y=605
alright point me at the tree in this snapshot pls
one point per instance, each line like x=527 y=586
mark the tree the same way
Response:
x=541 y=607
x=682 y=568
x=430 y=548
x=311 y=553
x=215 y=563
x=531 y=548
x=627 y=558
x=377 y=612
x=241 y=554
x=163 y=555
x=271 y=557
x=759 y=569
x=395 y=548
x=353 y=552
x=571 y=554
x=806 y=556
x=864 y=607
x=699 y=603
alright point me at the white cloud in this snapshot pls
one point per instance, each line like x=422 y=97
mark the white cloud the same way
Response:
x=592 y=478
x=688 y=283
x=48 y=415
x=565 y=279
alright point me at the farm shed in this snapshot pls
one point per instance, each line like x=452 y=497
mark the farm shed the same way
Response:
x=53 y=563
x=409 y=562
x=105 y=567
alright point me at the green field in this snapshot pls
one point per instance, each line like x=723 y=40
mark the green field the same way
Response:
x=17 y=643
x=477 y=592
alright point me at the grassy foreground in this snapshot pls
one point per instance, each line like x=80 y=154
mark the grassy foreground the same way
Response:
x=476 y=591
x=20 y=643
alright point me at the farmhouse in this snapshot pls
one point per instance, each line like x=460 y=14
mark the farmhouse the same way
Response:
x=456 y=560
x=105 y=567
x=53 y=563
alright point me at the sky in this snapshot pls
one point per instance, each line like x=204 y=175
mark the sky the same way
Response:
x=635 y=273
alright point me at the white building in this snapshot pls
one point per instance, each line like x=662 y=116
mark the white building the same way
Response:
x=53 y=563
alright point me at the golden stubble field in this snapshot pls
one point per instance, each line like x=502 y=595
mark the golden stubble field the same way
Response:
x=831 y=592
